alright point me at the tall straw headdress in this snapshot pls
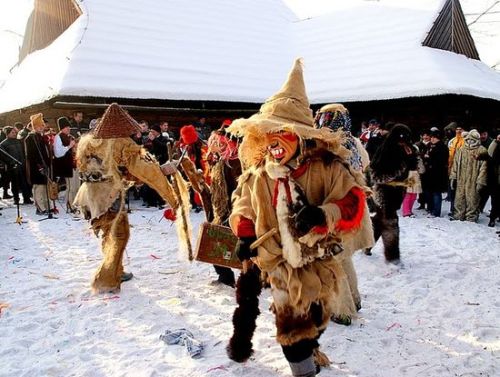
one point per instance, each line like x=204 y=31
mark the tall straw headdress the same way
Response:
x=287 y=110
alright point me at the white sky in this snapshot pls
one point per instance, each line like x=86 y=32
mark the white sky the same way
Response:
x=486 y=32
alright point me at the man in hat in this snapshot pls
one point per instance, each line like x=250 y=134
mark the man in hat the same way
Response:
x=38 y=163
x=295 y=183
x=109 y=162
x=64 y=163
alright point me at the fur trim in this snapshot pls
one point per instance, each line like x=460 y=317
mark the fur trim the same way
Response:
x=182 y=224
x=220 y=196
x=248 y=289
x=291 y=248
x=352 y=208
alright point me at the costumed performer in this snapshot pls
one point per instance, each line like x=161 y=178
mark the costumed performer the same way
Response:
x=336 y=117
x=109 y=161
x=296 y=182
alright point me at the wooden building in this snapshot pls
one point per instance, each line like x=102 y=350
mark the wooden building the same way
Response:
x=177 y=60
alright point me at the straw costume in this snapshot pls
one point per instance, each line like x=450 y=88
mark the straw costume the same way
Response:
x=109 y=162
x=336 y=117
x=297 y=182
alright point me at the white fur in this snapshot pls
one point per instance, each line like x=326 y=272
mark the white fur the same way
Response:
x=291 y=248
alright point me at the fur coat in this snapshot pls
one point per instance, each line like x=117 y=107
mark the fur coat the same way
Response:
x=302 y=270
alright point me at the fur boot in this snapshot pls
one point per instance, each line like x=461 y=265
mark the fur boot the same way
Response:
x=248 y=289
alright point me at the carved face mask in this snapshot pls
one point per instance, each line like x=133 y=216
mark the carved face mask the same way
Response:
x=282 y=146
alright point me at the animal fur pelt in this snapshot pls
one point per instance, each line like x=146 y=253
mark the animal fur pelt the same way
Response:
x=198 y=184
x=248 y=289
x=183 y=226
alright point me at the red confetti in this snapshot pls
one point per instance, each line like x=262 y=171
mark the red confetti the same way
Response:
x=394 y=325
x=154 y=256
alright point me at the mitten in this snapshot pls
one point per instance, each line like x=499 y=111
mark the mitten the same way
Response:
x=243 y=250
x=309 y=217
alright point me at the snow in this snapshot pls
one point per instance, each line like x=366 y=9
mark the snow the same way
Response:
x=240 y=52
x=437 y=315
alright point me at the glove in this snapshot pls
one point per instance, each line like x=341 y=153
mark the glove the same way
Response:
x=453 y=184
x=243 y=250
x=308 y=217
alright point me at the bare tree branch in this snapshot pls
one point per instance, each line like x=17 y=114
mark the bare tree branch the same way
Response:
x=485 y=12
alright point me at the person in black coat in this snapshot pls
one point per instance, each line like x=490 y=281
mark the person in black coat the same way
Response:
x=12 y=154
x=436 y=170
x=389 y=169
x=38 y=163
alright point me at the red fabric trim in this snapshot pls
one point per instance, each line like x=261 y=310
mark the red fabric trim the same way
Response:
x=320 y=229
x=244 y=227
x=300 y=170
x=352 y=208
x=276 y=191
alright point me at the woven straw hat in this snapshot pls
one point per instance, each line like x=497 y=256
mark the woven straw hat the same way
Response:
x=287 y=110
x=116 y=123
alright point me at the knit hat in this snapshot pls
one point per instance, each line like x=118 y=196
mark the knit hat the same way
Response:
x=63 y=122
x=156 y=127
x=116 y=123
x=37 y=122
x=452 y=126
x=19 y=125
x=189 y=134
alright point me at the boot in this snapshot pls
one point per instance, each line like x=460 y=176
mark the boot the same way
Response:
x=304 y=368
x=491 y=224
x=126 y=276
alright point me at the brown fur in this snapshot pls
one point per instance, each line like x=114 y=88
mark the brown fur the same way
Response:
x=292 y=329
x=115 y=235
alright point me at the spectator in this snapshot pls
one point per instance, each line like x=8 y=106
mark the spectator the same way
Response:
x=468 y=177
x=21 y=135
x=165 y=132
x=202 y=128
x=414 y=188
x=12 y=154
x=78 y=127
x=436 y=167
x=423 y=147
x=377 y=137
x=486 y=141
x=453 y=145
x=449 y=132
x=64 y=162
x=38 y=163
x=494 y=179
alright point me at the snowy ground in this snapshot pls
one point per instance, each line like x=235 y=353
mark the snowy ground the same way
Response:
x=438 y=315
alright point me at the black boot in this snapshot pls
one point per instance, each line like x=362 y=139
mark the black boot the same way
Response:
x=491 y=224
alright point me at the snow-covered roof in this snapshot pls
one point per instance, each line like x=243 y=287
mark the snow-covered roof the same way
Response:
x=240 y=52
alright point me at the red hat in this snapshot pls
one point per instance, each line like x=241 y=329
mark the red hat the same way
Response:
x=189 y=134
x=227 y=122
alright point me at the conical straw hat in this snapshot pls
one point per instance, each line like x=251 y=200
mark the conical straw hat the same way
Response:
x=287 y=110
x=116 y=123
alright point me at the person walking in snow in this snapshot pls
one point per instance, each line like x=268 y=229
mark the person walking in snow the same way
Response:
x=296 y=184
x=389 y=172
x=468 y=177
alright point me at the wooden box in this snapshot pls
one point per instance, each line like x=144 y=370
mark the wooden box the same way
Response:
x=217 y=245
